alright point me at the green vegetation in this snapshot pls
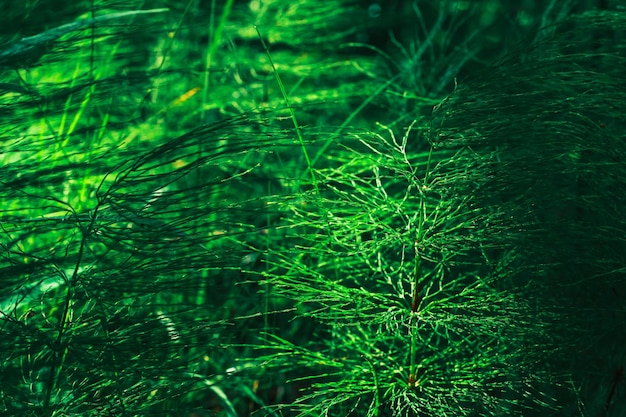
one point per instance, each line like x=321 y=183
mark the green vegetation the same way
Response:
x=343 y=208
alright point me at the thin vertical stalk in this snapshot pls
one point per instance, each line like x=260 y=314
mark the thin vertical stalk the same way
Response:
x=415 y=302
x=60 y=351
x=292 y=114
x=214 y=41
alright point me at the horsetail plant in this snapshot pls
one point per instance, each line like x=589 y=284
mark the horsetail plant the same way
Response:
x=393 y=251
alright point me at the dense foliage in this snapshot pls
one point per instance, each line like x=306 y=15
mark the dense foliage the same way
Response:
x=302 y=208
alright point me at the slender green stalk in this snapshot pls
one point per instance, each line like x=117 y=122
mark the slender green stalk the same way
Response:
x=215 y=39
x=292 y=114
x=331 y=138
x=418 y=243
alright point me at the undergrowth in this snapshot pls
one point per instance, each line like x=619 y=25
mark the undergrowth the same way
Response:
x=279 y=208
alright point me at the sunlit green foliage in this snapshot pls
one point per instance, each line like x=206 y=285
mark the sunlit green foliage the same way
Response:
x=301 y=208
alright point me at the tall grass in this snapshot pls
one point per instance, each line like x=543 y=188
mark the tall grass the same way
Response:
x=202 y=218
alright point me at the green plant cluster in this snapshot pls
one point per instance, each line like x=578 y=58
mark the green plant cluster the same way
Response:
x=301 y=208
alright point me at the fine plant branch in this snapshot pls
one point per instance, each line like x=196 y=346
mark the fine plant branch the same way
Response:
x=292 y=114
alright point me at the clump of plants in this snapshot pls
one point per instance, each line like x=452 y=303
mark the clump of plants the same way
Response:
x=465 y=279
x=206 y=210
